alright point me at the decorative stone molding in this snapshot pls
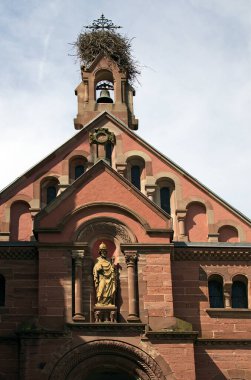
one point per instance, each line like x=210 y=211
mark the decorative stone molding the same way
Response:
x=172 y=335
x=18 y=253
x=211 y=253
x=101 y=136
x=114 y=328
x=107 y=227
x=223 y=342
x=105 y=314
x=91 y=356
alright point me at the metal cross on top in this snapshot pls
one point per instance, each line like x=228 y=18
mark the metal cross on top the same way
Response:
x=102 y=23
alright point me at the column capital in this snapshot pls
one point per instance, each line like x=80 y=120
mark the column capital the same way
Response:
x=131 y=257
x=78 y=255
x=181 y=214
x=121 y=168
x=150 y=190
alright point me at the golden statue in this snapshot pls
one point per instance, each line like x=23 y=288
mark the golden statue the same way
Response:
x=104 y=279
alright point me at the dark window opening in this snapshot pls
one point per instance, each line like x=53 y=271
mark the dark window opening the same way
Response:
x=165 y=199
x=215 y=294
x=239 y=295
x=79 y=170
x=135 y=176
x=108 y=152
x=2 y=290
x=51 y=194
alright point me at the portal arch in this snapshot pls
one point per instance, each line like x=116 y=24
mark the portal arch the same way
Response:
x=118 y=356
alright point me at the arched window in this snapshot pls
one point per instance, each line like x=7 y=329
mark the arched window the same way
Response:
x=135 y=176
x=77 y=166
x=49 y=190
x=215 y=290
x=165 y=199
x=51 y=193
x=2 y=290
x=136 y=170
x=165 y=194
x=79 y=170
x=239 y=293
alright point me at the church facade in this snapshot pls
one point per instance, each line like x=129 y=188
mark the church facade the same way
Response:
x=117 y=264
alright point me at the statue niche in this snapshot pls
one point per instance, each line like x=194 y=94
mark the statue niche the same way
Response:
x=104 y=276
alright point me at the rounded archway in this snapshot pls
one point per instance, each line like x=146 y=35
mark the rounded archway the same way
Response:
x=108 y=359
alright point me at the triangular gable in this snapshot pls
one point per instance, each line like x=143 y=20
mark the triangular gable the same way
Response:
x=103 y=186
x=107 y=116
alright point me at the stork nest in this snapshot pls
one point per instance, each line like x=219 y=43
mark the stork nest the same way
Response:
x=115 y=48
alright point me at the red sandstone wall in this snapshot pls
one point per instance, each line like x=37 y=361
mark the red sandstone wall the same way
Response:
x=21 y=294
x=227 y=362
x=191 y=300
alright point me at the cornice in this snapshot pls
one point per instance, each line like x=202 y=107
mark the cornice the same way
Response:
x=211 y=254
x=229 y=313
x=223 y=342
x=38 y=334
x=125 y=328
x=172 y=335
x=18 y=253
x=148 y=248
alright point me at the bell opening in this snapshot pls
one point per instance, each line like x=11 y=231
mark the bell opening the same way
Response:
x=104 y=92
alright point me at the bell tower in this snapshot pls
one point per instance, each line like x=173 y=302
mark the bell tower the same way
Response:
x=105 y=84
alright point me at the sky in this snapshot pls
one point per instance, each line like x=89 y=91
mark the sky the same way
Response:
x=193 y=101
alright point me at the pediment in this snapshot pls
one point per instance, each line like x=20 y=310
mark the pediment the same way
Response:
x=102 y=191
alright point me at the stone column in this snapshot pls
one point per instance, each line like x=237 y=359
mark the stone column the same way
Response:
x=150 y=190
x=78 y=255
x=181 y=215
x=227 y=289
x=131 y=258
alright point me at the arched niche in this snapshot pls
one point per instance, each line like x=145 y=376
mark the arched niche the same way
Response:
x=104 y=79
x=112 y=233
x=104 y=227
x=228 y=234
x=196 y=222
x=20 y=221
x=115 y=356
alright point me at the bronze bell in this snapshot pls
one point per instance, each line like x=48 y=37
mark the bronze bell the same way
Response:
x=104 y=97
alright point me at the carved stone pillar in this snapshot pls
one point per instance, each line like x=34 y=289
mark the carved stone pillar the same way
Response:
x=131 y=258
x=78 y=255
x=181 y=215
x=227 y=289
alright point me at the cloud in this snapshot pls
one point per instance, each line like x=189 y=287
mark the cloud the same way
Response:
x=193 y=103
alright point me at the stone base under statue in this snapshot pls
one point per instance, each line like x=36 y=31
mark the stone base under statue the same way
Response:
x=105 y=313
